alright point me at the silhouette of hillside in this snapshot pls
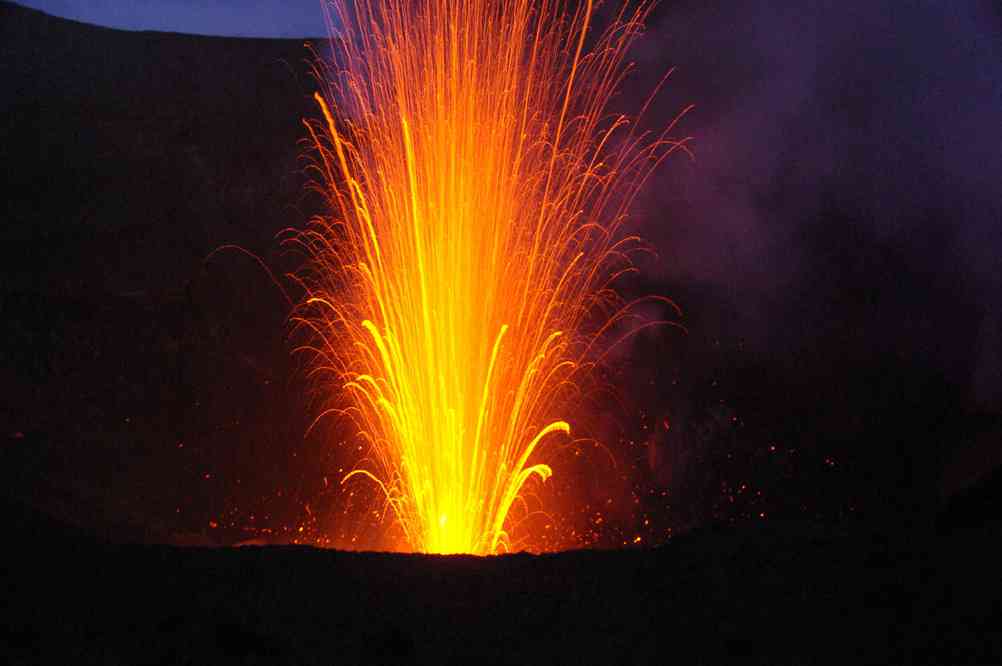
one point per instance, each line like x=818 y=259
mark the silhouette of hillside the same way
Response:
x=759 y=595
x=128 y=158
x=131 y=155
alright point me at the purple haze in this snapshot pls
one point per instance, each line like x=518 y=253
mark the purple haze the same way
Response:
x=846 y=175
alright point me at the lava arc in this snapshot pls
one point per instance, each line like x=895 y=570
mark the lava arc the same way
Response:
x=460 y=290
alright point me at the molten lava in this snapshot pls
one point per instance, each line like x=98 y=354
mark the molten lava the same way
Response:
x=460 y=291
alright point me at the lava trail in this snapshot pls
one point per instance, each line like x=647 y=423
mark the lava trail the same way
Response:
x=460 y=291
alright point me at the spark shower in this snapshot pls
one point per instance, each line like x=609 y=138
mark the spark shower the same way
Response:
x=459 y=293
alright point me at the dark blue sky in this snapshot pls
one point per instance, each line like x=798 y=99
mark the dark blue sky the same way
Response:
x=244 y=18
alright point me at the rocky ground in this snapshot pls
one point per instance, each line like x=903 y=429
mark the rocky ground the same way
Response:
x=772 y=595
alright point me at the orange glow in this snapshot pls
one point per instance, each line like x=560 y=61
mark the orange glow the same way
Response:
x=460 y=290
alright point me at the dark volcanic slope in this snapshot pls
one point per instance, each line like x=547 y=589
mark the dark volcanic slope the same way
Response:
x=130 y=155
x=784 y=596
x=132 y=370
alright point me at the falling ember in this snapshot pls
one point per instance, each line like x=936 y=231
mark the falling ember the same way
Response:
x=460 y=292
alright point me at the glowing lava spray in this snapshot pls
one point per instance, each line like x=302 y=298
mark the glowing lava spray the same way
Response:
x=461 y=286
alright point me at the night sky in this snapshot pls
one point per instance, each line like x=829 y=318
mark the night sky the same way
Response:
x=234 y=18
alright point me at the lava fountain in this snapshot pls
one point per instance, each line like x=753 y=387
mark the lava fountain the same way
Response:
x=460 y=290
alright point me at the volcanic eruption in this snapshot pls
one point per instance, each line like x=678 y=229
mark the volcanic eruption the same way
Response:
x=459 y=293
